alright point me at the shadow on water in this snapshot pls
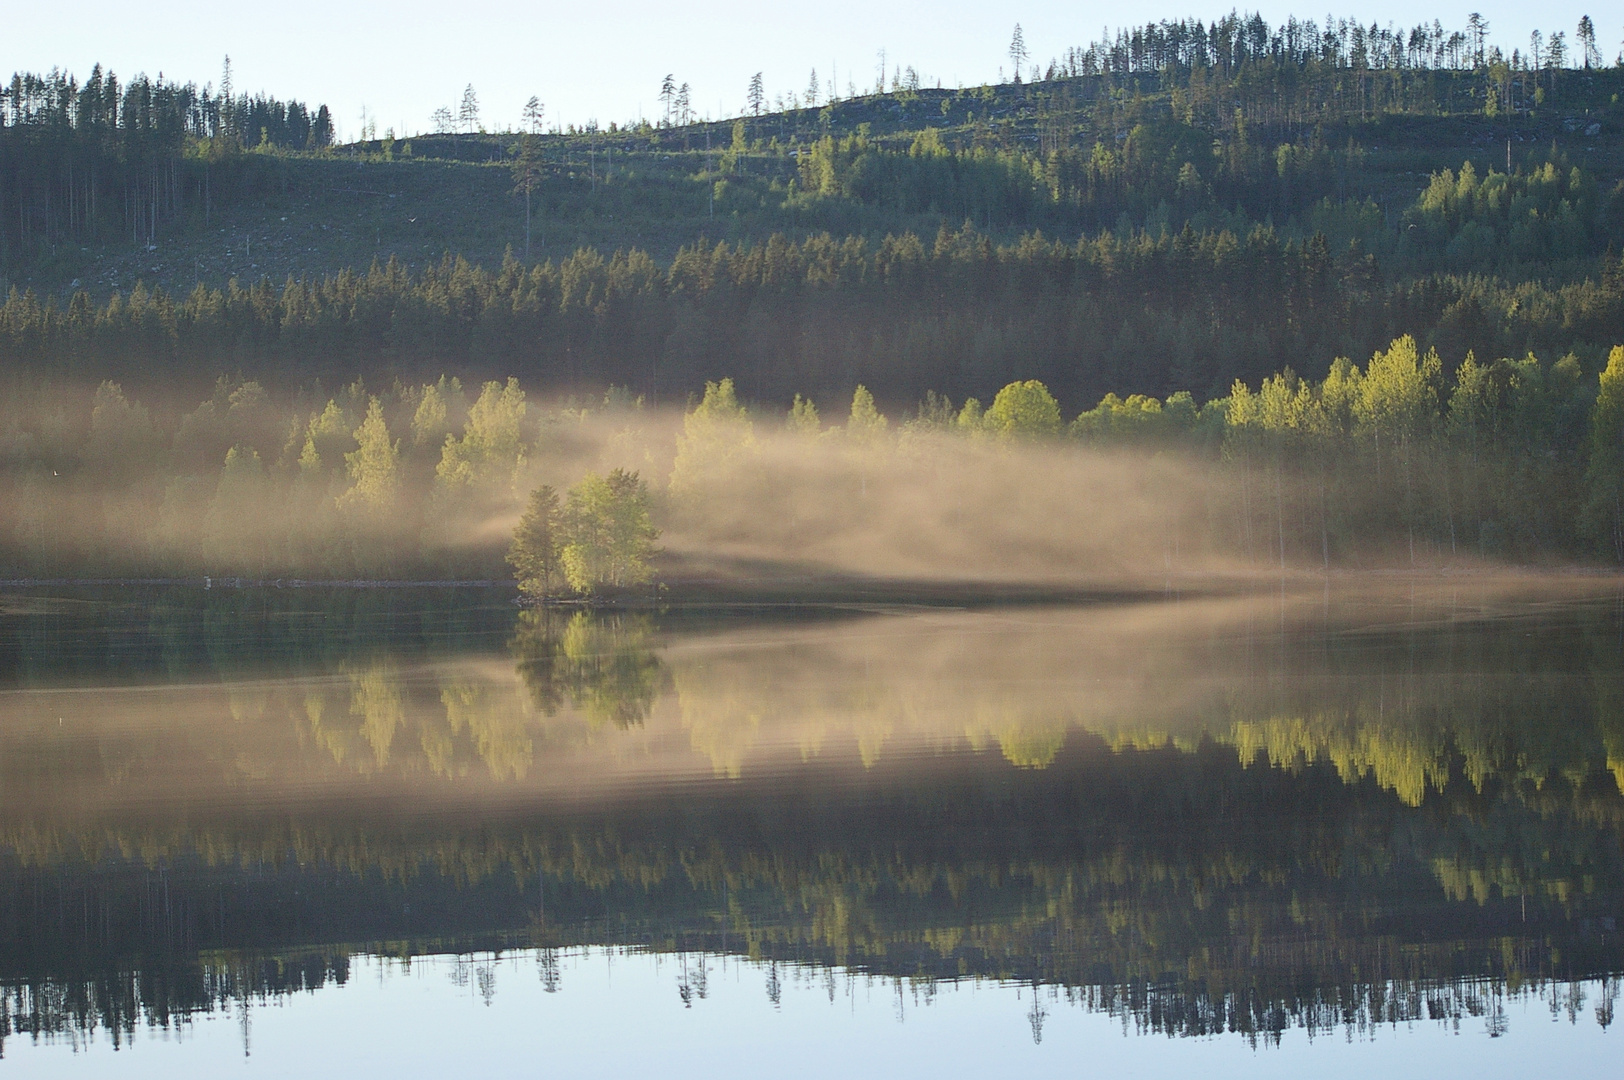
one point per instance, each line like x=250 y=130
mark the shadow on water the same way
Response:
x=1321 y=810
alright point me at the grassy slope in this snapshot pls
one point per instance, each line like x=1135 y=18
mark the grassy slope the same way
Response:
x=315 y=215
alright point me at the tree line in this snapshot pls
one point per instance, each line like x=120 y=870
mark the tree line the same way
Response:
x=958 y=314
x=1398 y=460
x=103 y=157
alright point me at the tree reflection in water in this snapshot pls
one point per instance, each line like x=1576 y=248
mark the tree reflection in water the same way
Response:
x=1194 y=817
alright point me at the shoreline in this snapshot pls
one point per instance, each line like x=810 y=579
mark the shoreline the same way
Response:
x=812 y=591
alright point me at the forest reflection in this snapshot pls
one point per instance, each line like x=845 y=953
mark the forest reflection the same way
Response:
x=1210 y=814
x=1415 y=691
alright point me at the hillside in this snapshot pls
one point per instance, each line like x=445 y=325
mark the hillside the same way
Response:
x=276 y=212
x=1181 y=208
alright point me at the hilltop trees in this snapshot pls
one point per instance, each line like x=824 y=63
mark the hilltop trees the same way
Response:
x=668 y=97
x=106 y=159
x=468 y=111
x=535 y=114
x=1017 y=54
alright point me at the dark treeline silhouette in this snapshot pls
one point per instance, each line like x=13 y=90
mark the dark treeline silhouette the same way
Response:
x=82 y=161
x=1187 y=891
x=1181 y=205
x=957 y=314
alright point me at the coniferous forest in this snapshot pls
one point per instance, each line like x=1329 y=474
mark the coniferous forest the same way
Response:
x=1234 y=226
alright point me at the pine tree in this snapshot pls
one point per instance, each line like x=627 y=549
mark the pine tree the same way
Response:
x=534 y=114
x=228 y=124
x=468 y=111
x=527 y=174
x=1587 y=43
x=668 y=96
x=1017 y=52
x=534 y=551
x=757 y=96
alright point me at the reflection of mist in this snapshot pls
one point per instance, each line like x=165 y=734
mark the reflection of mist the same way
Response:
x=1416 y=693
x=1259 y=865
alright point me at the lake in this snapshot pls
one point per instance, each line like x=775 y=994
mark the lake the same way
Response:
x=1326 y=828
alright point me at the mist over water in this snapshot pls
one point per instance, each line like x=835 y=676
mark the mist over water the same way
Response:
x=247 y=486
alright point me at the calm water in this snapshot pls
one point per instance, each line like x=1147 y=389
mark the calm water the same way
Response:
x=1372 y=827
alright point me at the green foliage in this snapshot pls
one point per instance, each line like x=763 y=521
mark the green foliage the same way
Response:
x=803 y=417
x=865 y=422
x=961 y=315
x=600 y=540
x=327 y=438
x=490 y=452
x=715 y=434
x=1023 y=410
x=434 y=417
x=533 y=554
x=1135 y=419
x=374 y=465
x=969 y=418
x=1398 y=401
x=1604 y=505
x=1546 y=214
x=606 y=533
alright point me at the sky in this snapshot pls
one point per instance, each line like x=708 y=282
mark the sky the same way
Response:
x=605 y=62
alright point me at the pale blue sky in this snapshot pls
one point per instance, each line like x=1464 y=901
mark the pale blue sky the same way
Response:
x=605 y=61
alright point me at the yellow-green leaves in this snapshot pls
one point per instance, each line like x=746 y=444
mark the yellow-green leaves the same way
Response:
x=1398 y=402
x=714 y=433
x=373 y=466
x=326 y=437
x=490 y=452
x=1604 y=507
x=1023 y=409
x=865 y=424
x=608 y=533
x=803 y=417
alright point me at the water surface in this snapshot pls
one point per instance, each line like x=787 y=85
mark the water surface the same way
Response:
x=1362 y=826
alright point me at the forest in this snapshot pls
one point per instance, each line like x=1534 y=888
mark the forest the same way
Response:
x=1364 y=281
x=1394 y=462
x=1184 y=205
